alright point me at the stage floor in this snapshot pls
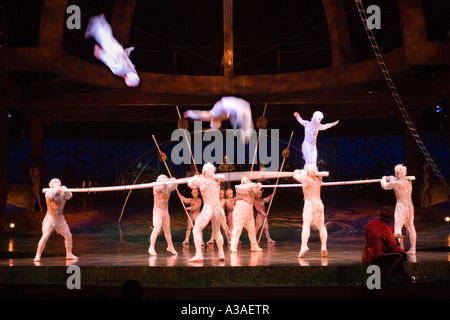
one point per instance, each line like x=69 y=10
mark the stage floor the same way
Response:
x=110 y=253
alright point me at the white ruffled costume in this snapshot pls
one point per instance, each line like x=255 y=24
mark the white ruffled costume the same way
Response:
x=404 y=208
x=110 y=52
x=161 y=218
x=312 y=128
x=209 y=186
x=55 y=198
x=243 y=214
x=235 y=109
x=313 y=209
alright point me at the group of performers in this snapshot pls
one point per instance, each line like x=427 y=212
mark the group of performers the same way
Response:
x=240 y=210
x=212 y=206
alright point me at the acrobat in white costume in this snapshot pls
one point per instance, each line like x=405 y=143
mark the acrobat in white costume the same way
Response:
x=313 y=210
x=312 y=128
x=404 y=208
x=161 y=218
x=110 y=52
x=55 y=198
x=226 y=231
x=212 y=210
x=195 y=203
x=243 y=214
x=261 y=213
x=235 y=109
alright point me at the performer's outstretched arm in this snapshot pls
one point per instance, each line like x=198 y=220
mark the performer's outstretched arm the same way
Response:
x=299 y=119
x=202 y=115
x=328 y=125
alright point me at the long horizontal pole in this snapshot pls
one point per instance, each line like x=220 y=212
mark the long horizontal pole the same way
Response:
x=229 y=176
x=223 y=176
x=336 y=183
x=124 y=187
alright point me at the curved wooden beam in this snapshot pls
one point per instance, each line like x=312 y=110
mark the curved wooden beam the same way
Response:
x=50 y=56
x=297 y=81
x=121 y=20
x=337 y=27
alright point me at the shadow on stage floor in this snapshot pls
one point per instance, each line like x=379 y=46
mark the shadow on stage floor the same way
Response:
x=110 y=254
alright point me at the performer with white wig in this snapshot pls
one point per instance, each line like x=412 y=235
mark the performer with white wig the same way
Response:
x=312 y=128
x=56 y=198
x=212 y=210
x=235 y=109
x=243 y=214
x=313 y=210
x=110 y=52
x=404 y=208
x=161 y=218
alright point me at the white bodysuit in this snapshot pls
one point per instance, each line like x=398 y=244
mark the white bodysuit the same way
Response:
x=313 y=210
x=404 y=208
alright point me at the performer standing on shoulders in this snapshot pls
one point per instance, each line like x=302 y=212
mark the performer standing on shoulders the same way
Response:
x=161 y=218
x=312 y=129
x=313 y=211
x=404 y=209
x=243 y=214
x=56 y=198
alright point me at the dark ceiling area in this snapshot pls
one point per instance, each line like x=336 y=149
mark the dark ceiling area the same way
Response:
x=293 y=55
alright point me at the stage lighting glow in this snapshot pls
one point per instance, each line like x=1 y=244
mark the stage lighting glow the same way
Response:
x=438 y=109
x=12 y=225
x=447 y=219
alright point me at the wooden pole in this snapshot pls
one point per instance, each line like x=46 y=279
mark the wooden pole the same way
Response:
x=170 y=174
x=276 y=184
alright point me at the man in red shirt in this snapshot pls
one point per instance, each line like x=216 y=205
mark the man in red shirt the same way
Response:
x=382 y=249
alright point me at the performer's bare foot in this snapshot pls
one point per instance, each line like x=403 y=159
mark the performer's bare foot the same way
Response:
x=210 y=242
x=256 y=249
x=185 y=242
x=270 y=241
x=302 y=252
x=152 y=252
x=172 y=250
x=324 y=252
x=71 y=256
x=97 y=50
x=411 y=252
x=221 y=256
x=233 y=250
x=37 y=258
x=196 y=258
